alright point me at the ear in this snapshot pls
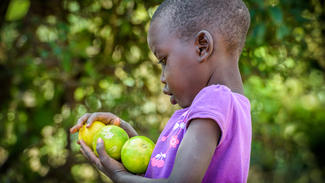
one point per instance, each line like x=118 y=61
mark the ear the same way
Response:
x=203 y=45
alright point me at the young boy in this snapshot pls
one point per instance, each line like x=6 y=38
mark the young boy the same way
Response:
x=198 y=43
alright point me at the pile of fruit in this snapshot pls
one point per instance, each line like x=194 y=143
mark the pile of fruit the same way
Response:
x=134 y=153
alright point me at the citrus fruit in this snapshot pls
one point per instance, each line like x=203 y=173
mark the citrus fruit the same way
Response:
x=87 y=134
x=114 y=138
x=136 y=154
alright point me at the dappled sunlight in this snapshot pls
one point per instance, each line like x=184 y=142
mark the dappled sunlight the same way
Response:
x=84 y=173
x=60 y=60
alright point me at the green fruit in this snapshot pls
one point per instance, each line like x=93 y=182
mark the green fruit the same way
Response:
x=114 y=138
x=87 y=134
x=136 y=154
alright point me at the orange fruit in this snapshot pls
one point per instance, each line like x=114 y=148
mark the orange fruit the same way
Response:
x=114 y=138
x=136 y=154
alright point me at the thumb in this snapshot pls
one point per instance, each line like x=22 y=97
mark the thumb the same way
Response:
x=103 y=156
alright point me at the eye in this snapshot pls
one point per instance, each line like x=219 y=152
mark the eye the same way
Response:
x=163 y=61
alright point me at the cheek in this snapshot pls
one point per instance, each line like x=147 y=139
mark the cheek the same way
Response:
x=179 y=71
x=179 y=86
x=174 y=67
x=173 y=74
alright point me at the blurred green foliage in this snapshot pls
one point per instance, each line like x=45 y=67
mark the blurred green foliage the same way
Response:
x=62 y=58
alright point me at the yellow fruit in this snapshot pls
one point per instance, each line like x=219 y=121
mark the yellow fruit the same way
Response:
x=87 y=134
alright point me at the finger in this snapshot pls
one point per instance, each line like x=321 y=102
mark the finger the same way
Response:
x=116 y=121
x=90 y=154
x=80 y=123
x=104 y=117
x=128 y=128
x=94 y=117
x=84 y=153
x=103 y=156
x=93 y=160
x=109 y=164
x=84 y=146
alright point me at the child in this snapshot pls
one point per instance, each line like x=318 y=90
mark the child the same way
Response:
x=198 y=44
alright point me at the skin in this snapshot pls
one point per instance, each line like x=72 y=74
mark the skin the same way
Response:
x=105 y=117
x=187 y=67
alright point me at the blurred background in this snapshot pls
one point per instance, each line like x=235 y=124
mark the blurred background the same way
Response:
x=62 y=58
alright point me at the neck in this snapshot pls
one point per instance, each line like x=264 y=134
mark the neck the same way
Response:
x=228 y=75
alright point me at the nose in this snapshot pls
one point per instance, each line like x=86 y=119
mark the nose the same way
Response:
x=162 y=77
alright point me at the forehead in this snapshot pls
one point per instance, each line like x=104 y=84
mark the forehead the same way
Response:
x=159 y=36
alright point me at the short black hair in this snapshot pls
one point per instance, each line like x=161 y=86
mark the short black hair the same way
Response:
x=230 y=18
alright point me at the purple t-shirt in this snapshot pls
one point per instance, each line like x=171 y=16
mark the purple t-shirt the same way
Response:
x=231 y=111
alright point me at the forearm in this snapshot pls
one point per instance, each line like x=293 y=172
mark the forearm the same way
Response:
x=125 y=177
x=128 y=128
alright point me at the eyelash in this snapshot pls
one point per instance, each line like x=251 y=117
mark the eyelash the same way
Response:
x=163 y=61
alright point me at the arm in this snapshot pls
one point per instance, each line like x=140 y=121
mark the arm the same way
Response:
x=128 y=128
x=192 y=159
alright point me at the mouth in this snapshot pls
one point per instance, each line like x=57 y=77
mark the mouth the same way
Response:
x=172 y=97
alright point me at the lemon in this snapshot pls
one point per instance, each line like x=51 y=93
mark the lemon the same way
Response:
x=87 y=134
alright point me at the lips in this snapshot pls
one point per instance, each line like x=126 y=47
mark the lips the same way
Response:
x=167 y=92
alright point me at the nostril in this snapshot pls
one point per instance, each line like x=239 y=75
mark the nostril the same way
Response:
x=162 y=79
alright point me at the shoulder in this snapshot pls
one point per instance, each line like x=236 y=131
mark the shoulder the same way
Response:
x=212 y=99
x=211 y=94
x=218 y=104
x=217 y=95
x=204 y=126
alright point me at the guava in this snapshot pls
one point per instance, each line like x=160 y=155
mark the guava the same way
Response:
x=136 y=154
x=87 y=134
x=114 y=138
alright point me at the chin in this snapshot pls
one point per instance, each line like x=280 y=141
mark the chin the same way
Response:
x=183 y=105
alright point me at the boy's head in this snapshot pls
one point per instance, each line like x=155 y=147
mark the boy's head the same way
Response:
x=187 y=35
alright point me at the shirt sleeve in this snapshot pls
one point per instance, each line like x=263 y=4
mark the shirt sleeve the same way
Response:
x=212 y=103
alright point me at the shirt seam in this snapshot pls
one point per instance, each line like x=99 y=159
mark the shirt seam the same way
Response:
x=218 y=121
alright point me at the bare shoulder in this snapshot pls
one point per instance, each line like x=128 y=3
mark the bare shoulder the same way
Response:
x=204 y=126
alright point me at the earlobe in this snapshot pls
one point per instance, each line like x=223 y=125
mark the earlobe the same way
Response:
x=204 y=45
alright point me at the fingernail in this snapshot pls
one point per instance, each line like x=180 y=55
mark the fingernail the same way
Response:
x=100 y=140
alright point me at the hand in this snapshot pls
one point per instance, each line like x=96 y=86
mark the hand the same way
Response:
x=105 y=117
x=104 y=163
x=89 y=118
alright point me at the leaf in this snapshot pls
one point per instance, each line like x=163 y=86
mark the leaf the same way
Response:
x=259 y=32
x=17 y=9
x=282 y=31
x=276 y=15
